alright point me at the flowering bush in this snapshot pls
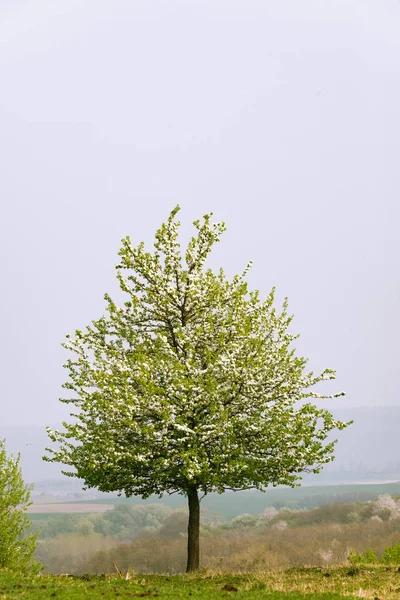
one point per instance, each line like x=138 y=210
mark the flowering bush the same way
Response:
x=326 y=555
x=376 y=519
x=280 y=525
x=268 y=514
x=244 y=520
x=387 y=507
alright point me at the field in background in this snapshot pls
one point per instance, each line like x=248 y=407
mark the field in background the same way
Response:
x=87 y=507
x=231 y=504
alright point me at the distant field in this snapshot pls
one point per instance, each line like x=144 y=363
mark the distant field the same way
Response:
x=231 y=504
x=82 y=507
x=43 y=516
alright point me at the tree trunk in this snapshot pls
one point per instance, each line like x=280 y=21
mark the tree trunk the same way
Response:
x=193 y=558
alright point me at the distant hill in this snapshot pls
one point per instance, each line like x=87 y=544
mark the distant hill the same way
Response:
x=367 y=450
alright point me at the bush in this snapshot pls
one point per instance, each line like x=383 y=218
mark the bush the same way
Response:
x=268 y=514
x=390 y=556
x=387 y=508
x=244 y=520
x=16 y=547
x=367 y=558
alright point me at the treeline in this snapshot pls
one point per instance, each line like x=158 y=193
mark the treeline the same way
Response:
x=122 y=523
x=152 y=538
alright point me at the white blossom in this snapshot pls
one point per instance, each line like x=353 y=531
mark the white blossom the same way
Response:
x=280 y=525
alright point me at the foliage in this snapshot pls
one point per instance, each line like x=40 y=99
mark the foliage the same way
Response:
x=390 y=556
x=280 y=525
x=17 y=546
x=268 y=514
x=85 y=527
x=363 y=558
x=55 y=525
x=192 y=385
x=244 y=520
x=386 y=507
x=125 y=521
x=327 y=513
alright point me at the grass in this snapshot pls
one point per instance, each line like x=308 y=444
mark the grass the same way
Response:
x=294 y=584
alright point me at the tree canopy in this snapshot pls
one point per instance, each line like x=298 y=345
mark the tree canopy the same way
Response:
x=192 y=385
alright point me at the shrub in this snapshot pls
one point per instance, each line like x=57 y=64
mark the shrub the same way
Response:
x=280 y=525
x=16 y=545
x=268 y=514
x=367 y=558
x=387 y=508
x=244 y=520
x=391 y=556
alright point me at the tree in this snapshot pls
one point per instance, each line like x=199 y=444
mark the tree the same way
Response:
x=127 y=520
x=16 y=547
x=191 y=386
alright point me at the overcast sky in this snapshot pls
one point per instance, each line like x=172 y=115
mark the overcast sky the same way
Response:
x=282 y=117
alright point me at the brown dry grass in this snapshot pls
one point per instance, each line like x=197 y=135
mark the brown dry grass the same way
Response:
x=239 y=551
x=66 y=553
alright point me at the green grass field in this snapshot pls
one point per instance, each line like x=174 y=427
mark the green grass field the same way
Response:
x=294 y=584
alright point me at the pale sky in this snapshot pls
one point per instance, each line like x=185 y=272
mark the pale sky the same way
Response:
x=282 y=117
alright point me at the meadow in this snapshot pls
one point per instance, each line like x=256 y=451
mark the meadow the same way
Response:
x=295 y=584
x=303 y=549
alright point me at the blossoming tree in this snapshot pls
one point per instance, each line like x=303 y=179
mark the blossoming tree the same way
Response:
x=191 y=386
